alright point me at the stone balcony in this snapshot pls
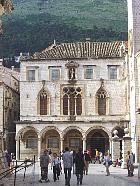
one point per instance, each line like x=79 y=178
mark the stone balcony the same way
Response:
x=90 y=118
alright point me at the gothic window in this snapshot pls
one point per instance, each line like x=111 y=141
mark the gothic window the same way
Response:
x=101 y=97
x=43 y=103
x=72 y=101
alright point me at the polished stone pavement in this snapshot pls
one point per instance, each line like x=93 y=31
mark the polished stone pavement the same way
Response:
x=96 y=177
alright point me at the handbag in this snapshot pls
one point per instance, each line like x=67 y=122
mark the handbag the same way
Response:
x=110 y=162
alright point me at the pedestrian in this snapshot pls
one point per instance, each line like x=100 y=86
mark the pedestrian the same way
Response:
x=67 y=162
x=87 y=159
x=130 y=162
x=74 y=155
x=8 y=158
x=107 y=163
x=79 y=165
x=44 y=162
x=97 y=155
x=101 y=157
x=56 y=167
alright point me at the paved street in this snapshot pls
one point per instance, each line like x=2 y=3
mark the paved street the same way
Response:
x=95 y=177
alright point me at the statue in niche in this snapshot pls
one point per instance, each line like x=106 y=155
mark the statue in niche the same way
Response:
x=72 y=73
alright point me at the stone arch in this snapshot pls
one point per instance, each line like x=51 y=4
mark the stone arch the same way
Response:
x=73 y=128
x=22 y=131
x=97 y=139
x=50 y=138
x=108 y=132
x=44 y=130
x=27 y=142
x=73 y=137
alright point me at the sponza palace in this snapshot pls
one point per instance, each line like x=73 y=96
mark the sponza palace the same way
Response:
x=75 y=95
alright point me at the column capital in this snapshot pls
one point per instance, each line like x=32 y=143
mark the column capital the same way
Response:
x=115 y=139
x=84 y=138
x=127 y=138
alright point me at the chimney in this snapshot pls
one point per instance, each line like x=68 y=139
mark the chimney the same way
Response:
x=88 y=39
x=1 y=61
x=12 y=67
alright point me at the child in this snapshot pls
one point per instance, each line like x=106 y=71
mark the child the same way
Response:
x=56 y=167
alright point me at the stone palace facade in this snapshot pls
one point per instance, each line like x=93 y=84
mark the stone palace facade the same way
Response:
x=75 y=95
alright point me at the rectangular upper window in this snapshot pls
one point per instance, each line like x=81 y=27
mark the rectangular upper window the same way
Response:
x=54 y=73
x=31 y=75
x=113 y=72
x=89 y=72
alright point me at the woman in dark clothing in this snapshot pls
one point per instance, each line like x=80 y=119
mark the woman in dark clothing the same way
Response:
x=79 y=165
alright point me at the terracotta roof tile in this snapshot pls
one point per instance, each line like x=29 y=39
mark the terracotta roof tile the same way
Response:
x=83 y=50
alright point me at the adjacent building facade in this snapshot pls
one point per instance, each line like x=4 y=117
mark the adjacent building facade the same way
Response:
x=75 y=95
x=9 y=107
x=134 y=67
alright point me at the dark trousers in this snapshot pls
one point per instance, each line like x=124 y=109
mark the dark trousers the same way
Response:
x=67 y=172
x=79 y=178
x=130 y=169
x=56 y=172
x=44 y=173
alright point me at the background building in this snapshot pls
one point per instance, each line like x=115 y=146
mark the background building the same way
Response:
x=134 y=81
x=9 y=107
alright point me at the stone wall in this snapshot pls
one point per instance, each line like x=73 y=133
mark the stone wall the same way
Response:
x=30 y=90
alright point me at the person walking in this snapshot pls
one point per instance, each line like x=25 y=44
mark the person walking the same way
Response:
x=87 y=159
x=67 y=162
x=130 y=162
x=44 y=162
x=56 y=167
x=79 y=165
x=107 y=163
x=8 y=158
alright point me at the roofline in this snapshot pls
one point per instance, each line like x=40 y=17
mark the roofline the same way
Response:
x=88 y=58
x=2 y=83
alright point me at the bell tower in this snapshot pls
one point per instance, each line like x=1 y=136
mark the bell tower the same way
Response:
x=133 y=49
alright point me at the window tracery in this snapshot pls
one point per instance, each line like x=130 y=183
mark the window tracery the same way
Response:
x=72 y=101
